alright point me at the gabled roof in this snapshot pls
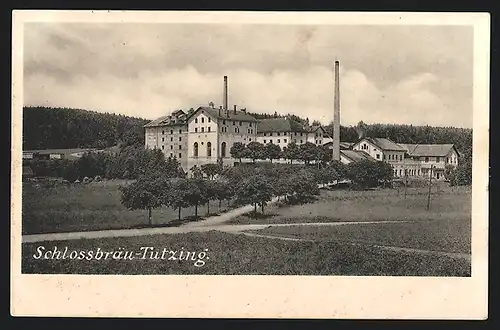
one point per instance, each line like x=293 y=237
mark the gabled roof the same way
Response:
x=357 y=155
x=279 y=125
x=433 y=150
x=225 y=115
x=383 y=143
x=59 y=151
x=343 y=145
x=177 y=118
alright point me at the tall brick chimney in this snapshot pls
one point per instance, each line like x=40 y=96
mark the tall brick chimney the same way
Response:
x=225 y=93
x=336 y=115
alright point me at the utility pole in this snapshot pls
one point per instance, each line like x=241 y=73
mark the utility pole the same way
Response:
x=430 y=185
x=406 y=181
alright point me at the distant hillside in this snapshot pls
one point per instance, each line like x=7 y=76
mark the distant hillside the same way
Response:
x=461 y=137
x=47 y=128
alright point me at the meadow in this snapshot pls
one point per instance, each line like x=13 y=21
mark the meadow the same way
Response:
x=447 y=203
x=231 y=254
x=93 y=206
x=436 y=235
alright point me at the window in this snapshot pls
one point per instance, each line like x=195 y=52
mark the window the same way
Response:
x=196 y=129
x=271 y=134
x=278 y=133
x=209 y=149
x=400 y=157
x=301 y=134
x=249 y=139
x=270 y=141
x=203 y=129
x=295 y=133
x=278 y=140
x=180 y=138
x=162 y=139
x=400 y=172
x=209 y=129
x=223 y=149
x=180 y=155
x=171 y=154
x=301 y=140
x=202 y=119
x=196 y=120
x=438 y=159
x=234 y=123
x=171 y=147
x=162 y=132
x=284 y=140
x=195 y=149
x=265 y=141
x=209 y=120
x=426 y=159
x=265 y=134
x=171 y=131
x=162 y=147
x=171 y=139
x=180 y=131
x=241 y=123
x=223 y=122
x=378 y=156
x=294 y=140
x=180 y=147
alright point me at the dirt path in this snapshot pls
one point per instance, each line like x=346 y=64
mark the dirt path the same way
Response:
x=208 y=225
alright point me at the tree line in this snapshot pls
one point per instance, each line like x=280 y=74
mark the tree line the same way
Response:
x=306 y=152
x=61 y=128
x=248 y=183
x=129 y=163
x=48 y=128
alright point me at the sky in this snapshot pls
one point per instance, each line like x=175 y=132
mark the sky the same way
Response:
x=419 y=75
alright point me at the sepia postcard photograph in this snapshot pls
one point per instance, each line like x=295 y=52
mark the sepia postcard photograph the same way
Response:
x=250 y=164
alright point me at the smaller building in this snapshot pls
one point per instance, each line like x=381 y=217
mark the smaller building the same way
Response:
x=47 y=154
x=282 y=131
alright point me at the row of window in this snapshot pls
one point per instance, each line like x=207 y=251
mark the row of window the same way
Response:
x=171 y=132
x=202 y=120
x=171 y=147
x=209 y=149
x=240 y=123
x=209 y=129
x=393 y=157
x=278 y=141
x=171 y=139
x=284 y=134
x=408 y=172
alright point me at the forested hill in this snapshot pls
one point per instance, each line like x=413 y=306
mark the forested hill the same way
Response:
x=49 y=128
x=461 y=137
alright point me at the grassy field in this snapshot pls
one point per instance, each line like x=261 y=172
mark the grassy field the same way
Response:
x=93 y=206
x=381 y=205
x=228 y=254
x=442 y=235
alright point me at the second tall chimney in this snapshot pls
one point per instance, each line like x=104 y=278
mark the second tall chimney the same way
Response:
x=225 y=93
x=336 y=115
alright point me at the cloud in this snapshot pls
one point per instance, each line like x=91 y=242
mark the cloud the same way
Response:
x=411 y=75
